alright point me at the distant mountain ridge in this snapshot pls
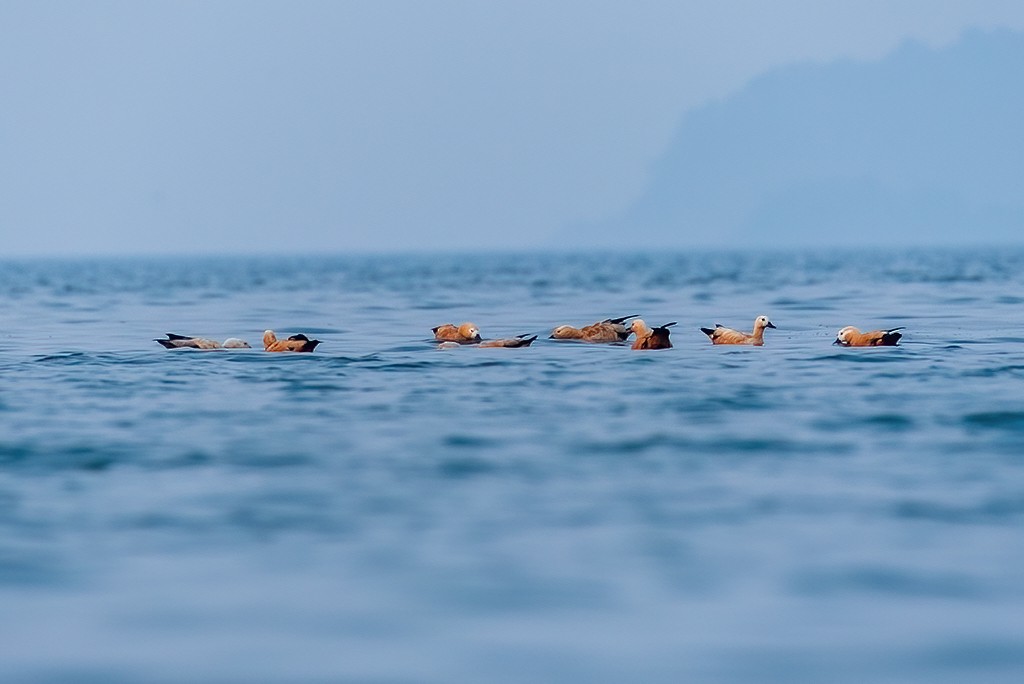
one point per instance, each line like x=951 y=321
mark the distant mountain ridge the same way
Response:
x=925 y=146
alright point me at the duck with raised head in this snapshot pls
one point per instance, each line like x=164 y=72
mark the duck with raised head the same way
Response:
x=295 y=343
x=651 y=338
x=608 y=330
x=851 y=337
x=722 y=335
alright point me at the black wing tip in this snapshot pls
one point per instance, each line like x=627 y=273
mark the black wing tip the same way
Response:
x=892 y=338
x=621 y=319
x=174 y=336
x=165 y=343
x=708 y=331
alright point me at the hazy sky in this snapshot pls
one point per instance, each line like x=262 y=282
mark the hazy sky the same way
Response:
x=217 y=126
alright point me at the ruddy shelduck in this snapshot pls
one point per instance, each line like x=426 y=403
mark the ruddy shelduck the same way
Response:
x=651 y=338
x=295 y=343
x=851 y=337
x=608 y=330
x=466 y=333
x=722 y=335
x=174 y=341
x=517 y=341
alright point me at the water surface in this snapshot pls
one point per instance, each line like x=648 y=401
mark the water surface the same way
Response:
x=382 y=511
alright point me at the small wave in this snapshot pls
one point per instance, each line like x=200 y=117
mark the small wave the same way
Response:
x=993 y=510
x=300 y=387
x=274 y=512
x=889 y=421
x=411 y=348
x=87 y=457
x=888 y=580
x=28 y=568
x=636 y=445
x=866 y=355
x=744 y=399
x=70 y=358
x=1012 y=369
x=263 y=358
x=722 y=447
x=999 y=420
x=403 y=366
x=992 y=655
x=464 y=467
x=468 y=441
x=79 y=358
x=802 y=304
x=886 y=422
x=43 y=456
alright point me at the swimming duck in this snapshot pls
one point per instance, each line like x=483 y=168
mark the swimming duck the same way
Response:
x=174 y=341
x=722 y=335
x=608 y=330
x=295 y=343
x=648 y=338
x=517 y=341
x=851 y=337
x=466 y=333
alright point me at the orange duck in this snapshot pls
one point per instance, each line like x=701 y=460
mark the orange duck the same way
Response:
x=295 y=343
x=723 y=335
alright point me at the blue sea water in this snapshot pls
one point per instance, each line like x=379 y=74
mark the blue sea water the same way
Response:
x=384 y=511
